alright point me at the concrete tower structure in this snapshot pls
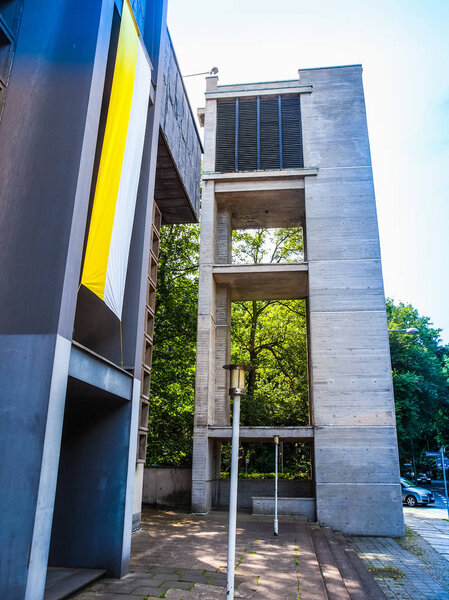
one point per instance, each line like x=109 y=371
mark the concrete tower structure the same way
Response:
x=74 y=376
x=296 y=154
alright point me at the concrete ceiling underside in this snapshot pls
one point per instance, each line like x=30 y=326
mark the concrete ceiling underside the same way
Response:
x=264 y=209
x=169 y=191
x=263 y=434
x=264 y=282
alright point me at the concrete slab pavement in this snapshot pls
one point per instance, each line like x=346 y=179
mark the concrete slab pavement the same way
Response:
x=179 y=556
x=431 y=523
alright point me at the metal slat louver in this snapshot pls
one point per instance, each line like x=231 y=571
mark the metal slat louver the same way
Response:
x=291 y=132
x=269 y=133
x=247 y=136
x=225 y=143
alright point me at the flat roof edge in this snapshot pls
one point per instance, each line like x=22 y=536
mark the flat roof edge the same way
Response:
x=259 y=82
x=331 y=67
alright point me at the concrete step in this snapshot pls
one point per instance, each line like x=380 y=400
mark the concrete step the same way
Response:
x=349 y=575
x=310 y=579
x=333 y=580
x=370 y=585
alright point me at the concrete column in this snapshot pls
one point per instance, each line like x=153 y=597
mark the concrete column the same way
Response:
x=356 y=457
x=202 y=468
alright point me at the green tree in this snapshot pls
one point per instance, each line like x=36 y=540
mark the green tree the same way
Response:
x=271 y=336
x=421 y=384
x=173 y=365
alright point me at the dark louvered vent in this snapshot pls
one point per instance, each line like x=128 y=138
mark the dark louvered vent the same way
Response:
x=269 y=133
x=259 y=133
x=291 y=133
x=247 y=137
x=225 y=152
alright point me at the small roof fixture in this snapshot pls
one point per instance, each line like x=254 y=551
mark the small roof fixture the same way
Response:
x=213 y=71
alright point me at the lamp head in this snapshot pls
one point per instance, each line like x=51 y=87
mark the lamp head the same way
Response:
x=237 y=387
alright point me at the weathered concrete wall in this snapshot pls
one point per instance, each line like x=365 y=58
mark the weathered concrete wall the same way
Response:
x=356 y=458
x=167 y=487
x=249 y=488
x=179 y=129
x=286 y=506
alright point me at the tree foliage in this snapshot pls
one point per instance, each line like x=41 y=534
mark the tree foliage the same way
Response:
x=421 y=386
x=173 y=365
x=271 y=335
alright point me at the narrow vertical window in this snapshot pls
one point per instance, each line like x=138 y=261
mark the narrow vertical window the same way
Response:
x=225 y=151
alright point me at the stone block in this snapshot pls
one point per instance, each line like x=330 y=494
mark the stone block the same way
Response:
x=346 y=285
x=286 y=506
x=334 y=125
x=361 y=509
x=358 y=455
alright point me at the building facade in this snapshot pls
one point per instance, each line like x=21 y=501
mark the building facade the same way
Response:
x=296 y=154
x=74 y=373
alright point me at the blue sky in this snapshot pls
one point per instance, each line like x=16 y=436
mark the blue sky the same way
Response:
x=404 y=48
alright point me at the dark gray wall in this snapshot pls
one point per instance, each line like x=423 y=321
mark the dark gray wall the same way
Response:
x=43 y=128
x=90 y=499
x=179 y=129
x=44 y=156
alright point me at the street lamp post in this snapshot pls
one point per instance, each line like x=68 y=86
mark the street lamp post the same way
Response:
x=276 y=454
x=236 y=390
x=443 y=466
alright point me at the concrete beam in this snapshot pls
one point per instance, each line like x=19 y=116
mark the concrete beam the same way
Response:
x=90 y=368
x=297 y=89
x=264 y=281
x=260 y=175
x=263 y=434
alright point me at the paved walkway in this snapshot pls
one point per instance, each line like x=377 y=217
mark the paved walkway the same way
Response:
x=179 y=556
x=412 y=582
x=431 y=524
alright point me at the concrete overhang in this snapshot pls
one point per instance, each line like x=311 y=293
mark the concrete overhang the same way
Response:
x=177 y=188
x=102 y=377
x=277 y=174
x=258 y=89
x=263 y=434
x=284 y=281
x=262 y=198
x=170 y=193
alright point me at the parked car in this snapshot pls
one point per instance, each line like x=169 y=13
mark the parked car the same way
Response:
x=413 y=495
x=423 y=479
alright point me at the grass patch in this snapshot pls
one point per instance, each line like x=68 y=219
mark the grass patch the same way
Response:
x=410 y=542
x=239 y=562
x=386 y=572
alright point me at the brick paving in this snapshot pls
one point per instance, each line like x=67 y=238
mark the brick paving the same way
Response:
x=431 y=526
x=381 y=553
x=179 y=556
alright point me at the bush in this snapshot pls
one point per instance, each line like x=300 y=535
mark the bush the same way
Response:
x=287 y=476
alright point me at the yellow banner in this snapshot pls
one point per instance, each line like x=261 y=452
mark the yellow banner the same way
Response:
x=108 y=181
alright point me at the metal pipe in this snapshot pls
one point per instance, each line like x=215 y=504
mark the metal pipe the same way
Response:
x=276 y=457
x=233 y=498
